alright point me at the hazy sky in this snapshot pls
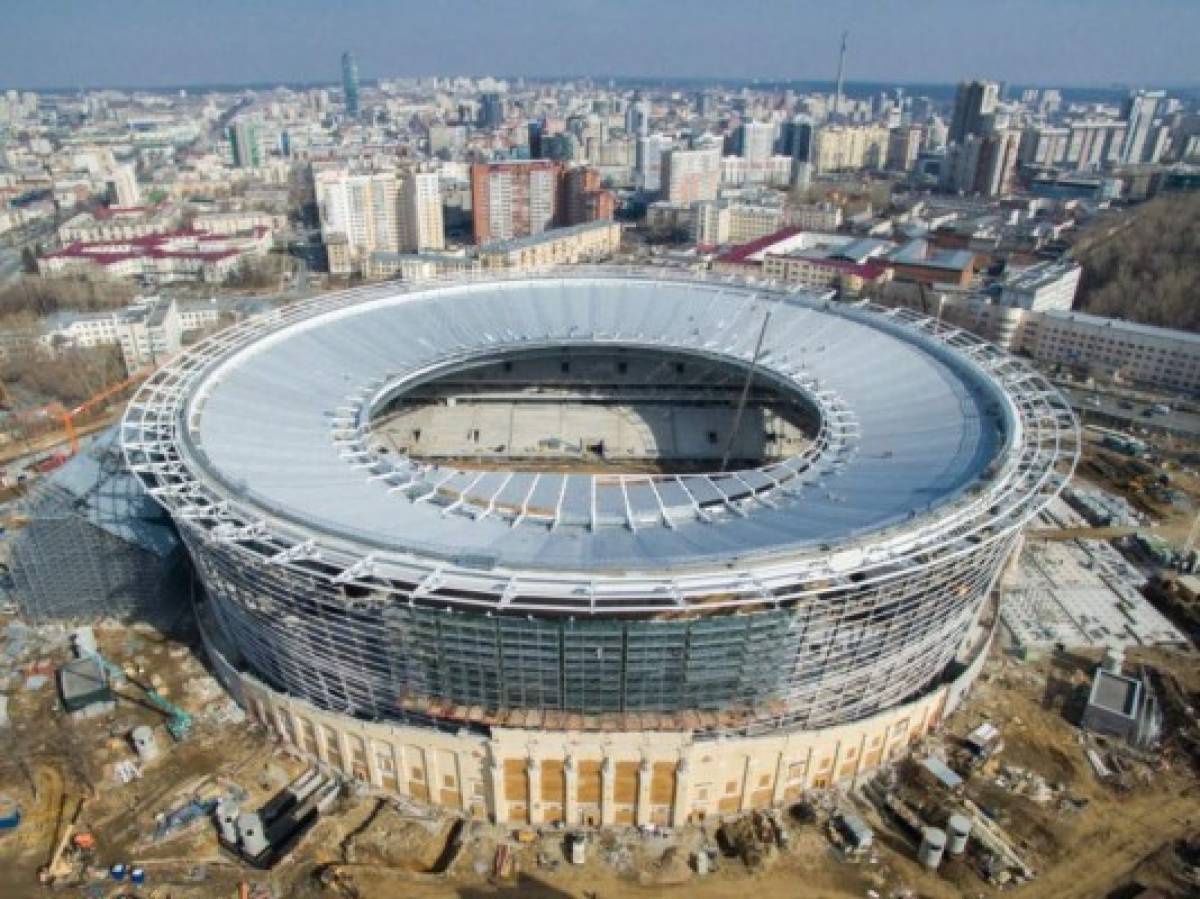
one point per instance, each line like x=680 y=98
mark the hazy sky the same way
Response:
x=71 y=43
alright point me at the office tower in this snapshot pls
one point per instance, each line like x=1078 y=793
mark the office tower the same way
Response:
x=637 y=116
x=797 y=138
x=420 y=215
x=755 y=140
x=360 y=208
x=350 y=84
x=535 y=131
x=245 y=143
x=1138 y=112
x=974 y=102
x=513 y=199
x=689 y=176
x=706 y=105
x=648 y=161
x=491 y=109
x=584 y=197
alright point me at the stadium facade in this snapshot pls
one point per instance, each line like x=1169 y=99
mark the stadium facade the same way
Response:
x=546 y=643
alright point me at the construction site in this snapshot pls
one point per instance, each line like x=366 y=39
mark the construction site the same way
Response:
x=705 y=651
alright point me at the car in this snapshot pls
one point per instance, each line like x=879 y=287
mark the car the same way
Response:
x=1125 y=404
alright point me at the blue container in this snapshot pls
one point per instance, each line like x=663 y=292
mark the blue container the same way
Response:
x=137 y=875
x=10 y=813
x=117 y=872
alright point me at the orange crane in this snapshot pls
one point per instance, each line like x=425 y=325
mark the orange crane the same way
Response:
x=91 y=404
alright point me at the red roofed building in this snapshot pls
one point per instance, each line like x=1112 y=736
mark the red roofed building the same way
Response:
x=159 y=258
x=810 y=259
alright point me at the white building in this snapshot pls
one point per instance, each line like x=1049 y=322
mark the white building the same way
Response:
x=1139 y=354
x=421 y=226
x=1042 y=288
x=361 y=208
x=689 y=176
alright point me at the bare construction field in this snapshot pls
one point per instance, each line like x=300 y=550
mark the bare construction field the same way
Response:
x=1082 y=837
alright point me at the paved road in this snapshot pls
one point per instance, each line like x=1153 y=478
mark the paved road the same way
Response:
x=1117 y=411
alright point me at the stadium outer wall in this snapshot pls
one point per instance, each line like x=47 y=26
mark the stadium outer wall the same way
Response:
x=516 y=776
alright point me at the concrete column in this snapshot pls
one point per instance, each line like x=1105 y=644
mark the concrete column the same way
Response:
x=837 y=761
x=297 y=729
x=748 y=775
x=781 y=778
x=373 y=772
x=344 y=747
x=535 y=791
x=642 y=811
x=683 y=790
x=433 y=775
x=608 y=811
x=460 y=782
x=495 y=790
x=571 y=800
x=400 y=760
x=862 y=754
x=322 y=742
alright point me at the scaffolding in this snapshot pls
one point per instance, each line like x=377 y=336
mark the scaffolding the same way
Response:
x=96 y=546
x=366 y=616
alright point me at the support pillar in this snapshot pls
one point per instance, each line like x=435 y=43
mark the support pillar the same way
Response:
x=645 y=774
x=608 y=810
x=534 y=771
x=371 y=748
x=400 y=760
x=747 y=784
x=495 y=788
x=433 y=775
x=781 y=778
x=571 y=783
x=683 y=788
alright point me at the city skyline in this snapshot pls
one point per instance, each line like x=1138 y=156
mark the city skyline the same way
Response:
x=936 y=42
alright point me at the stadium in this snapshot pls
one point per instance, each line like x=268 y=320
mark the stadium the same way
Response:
x=598 y=546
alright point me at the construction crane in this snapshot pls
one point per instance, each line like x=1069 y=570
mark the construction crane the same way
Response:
x=96 y=401
x=179 y=722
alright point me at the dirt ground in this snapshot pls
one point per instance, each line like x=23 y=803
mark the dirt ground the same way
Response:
x=1087 y=840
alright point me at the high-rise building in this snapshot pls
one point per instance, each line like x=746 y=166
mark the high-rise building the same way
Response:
x=973 y=104
x=350 y=84
x=491 y=110
x=359 y=209
x=755 y=140
x=648 y=161
x=513 y=199
x=984 y=165
x=584 y=198
x=904 y=145
x=1044 y=145
x=689 y=176
x=245 y=143
x=536 y=129
x=421 y=226
x=1138 y=111
x=1094 y=143
x=637 y=116
x=848 y=148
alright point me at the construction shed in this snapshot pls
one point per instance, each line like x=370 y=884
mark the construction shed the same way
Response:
x=97 y=546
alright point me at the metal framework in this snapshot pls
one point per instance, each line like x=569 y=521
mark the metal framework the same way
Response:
x=808 y=592
x=95 y=546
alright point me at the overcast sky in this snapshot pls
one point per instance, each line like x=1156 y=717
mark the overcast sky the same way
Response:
x=70 y=43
